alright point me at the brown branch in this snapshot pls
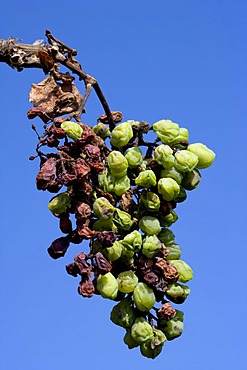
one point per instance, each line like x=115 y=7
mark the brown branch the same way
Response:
x=47 y=57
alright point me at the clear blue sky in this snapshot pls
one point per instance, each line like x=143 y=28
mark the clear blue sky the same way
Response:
x=183 y=60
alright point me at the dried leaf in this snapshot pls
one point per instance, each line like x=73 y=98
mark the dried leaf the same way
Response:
x=54 y=98
x=46 y=59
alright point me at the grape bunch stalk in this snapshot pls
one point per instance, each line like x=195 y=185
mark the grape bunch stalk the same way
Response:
x=117 y=185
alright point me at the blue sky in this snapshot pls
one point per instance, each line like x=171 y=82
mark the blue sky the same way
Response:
x=183 y=60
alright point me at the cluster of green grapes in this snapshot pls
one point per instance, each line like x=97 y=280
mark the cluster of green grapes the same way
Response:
x=123 y=192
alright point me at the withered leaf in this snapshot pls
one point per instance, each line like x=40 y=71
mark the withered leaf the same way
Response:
x=54 y=98
x=46 y=60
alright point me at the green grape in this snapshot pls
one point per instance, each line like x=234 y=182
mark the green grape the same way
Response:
x=181 y=139
x=179 y=316
x=184 y=270
x=151 y=245
x=103 y=208
x=150 y=200
x=104 y=225
x=152 y=348
x=127 y=281
x=129 y=341
x=122 y=219
x=121 y=134
x=107 y=286
x=150 y=225
x=168 y=188
x=158 y=338
x=166 y=236
x=127 y=256
x=167 y=221
x=185 y=160
x=174 y=252
x=146 y=179
x=59 y=203
x=114 y=252
x=141 y=330
x=144 y=297
x=123 y=313
x=173 y=173
x=148 y=351
x=166 y=130
x=134 y=157
x=144 y=164
x=118 y=164
x=205 y=155
x=191 y=180
x=181 y=197
x=121 y=185
x=106 y=181
x=102 y=130
x=177 y=293
x=172 y=328
x=97 y=247
x=163 y=155
x=72 y=129
x=133 y=122
x=132 y=241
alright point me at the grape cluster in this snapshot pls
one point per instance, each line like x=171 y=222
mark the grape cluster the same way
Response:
x=122 y=192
